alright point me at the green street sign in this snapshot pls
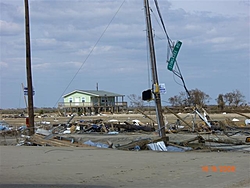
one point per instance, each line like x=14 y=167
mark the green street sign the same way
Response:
x=175 y=53
x=171 y=64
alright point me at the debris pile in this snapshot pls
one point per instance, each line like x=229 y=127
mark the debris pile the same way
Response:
x=113 y=125
x=57 y=141
x=207 y=134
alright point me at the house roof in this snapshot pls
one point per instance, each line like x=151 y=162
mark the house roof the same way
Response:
x=95 y=93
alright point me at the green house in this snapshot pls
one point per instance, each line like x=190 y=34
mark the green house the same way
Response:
x=93 y=101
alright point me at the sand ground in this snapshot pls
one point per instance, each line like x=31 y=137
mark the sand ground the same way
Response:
x=94 y=167
x=27 y=166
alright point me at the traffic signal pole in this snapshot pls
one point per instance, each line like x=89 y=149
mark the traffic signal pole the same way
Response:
x=156 y=92
x=28 y=70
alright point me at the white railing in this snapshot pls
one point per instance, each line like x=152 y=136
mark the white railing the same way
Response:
x=90 y=104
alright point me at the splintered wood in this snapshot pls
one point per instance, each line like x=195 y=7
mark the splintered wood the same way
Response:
x=55 y=141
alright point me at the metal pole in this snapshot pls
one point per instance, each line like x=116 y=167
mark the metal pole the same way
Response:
x=28 y=70
x=156 y=92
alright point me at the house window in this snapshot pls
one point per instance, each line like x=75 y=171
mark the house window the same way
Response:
x=70 y=99
x=83 y=99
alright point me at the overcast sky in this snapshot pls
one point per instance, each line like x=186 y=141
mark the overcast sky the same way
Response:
x=79 y=43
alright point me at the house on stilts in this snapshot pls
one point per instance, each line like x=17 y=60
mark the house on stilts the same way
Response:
x=89 y=102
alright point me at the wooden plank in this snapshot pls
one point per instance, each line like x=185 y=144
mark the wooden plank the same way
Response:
x=39 y=140
x=146 y=116
x=141 y=143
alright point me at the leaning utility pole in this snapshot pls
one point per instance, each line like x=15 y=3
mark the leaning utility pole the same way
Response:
x=28 y=70
x=156 y=91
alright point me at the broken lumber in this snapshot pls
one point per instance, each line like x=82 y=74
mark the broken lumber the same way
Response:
x=225 y=141
x=146 y=115
x=178 y=117
x=131 y=127
x=141 y=143
x=242 y=115
x=37 y=139
x=199 y=138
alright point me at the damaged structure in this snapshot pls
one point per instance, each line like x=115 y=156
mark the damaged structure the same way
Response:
x=134 y=135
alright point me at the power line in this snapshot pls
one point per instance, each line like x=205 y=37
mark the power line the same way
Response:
x=90 y=52
x=175 y=72
x=162 y=22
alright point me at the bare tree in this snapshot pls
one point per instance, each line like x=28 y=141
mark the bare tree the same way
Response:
x=220 y=102
x=229 y=98
x=234 y=98
x=175 y=101
x=197 y=97
x=135 y=101
x=238 y=98
x=185 y=99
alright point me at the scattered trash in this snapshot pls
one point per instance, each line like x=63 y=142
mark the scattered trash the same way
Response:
x=43 y=132
x=45 y=122
x=96 y=144
x=113 y=132
x=67 y=131
x=235 y=119
x=142 y=143
x=219 y=135
x=136 y=122
x=178 y=149
x=4 y=126
x=247 y=122
x=137 y=148
x=113 y=120
x=23 y=127
x=158 y=146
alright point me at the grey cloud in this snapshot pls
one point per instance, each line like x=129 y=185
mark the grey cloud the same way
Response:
x=63 y=33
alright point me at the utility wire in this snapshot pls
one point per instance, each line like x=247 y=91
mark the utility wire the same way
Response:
x=182 y=79
x=162 y=22
x=90 y=52
x=178 y=72
x=169 y=40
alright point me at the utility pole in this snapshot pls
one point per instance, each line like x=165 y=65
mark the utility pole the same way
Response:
x=28 y=70
x=156 y=91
